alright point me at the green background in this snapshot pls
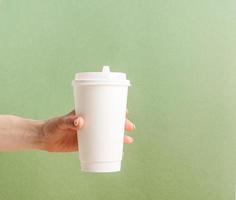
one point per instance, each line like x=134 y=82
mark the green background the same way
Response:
x=180 y=59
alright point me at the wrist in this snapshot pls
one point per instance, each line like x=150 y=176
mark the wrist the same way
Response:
x=38 y=138
x=33 y=136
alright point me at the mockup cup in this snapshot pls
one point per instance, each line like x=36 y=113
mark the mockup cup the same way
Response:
x=101 y=99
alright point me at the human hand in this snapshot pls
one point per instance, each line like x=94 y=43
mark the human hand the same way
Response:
x=60 y=134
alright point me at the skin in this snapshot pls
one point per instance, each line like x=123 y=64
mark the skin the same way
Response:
x=57 y=134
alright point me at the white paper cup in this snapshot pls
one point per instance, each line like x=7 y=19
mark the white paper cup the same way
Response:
x=101 y=98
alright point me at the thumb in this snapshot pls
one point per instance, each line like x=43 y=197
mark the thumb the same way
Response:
x=79 y=122
x=72 y=122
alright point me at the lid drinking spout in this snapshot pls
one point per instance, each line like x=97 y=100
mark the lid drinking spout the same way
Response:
x=106 y=69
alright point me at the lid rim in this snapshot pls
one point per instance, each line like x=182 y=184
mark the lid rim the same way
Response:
x=100 y=76
x=101 y=82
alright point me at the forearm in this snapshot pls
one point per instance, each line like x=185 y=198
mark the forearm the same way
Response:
x=17 y=133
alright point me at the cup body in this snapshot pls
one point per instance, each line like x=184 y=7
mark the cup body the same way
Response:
x=100 y=141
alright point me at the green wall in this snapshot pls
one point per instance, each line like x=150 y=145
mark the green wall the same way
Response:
x=180 y=58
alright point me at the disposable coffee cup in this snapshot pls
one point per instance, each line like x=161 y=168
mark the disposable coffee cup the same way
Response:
x=101 y=99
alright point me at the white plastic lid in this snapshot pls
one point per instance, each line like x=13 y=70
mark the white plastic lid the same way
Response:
x=104 y=77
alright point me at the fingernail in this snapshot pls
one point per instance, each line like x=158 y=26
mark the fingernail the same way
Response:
x=77 y=121
x=134 y=126
x=130 y=139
